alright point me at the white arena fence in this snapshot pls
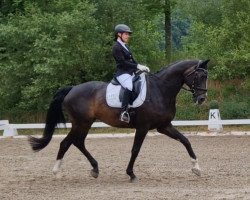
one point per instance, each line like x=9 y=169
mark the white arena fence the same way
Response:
x=213 y=125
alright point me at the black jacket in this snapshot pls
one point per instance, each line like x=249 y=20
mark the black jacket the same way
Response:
x=125 y=62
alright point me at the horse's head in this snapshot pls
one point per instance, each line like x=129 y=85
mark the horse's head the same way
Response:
x=196 y=80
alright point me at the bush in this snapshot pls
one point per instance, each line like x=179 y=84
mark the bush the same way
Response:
x=214 y=104
x=229 y=90
x=235 y=110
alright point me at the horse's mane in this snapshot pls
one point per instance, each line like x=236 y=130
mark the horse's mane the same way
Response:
x=168 y=67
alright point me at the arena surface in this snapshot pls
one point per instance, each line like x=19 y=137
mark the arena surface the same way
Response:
x=163 y=169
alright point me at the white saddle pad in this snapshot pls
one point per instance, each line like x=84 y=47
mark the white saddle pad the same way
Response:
x=112 y=94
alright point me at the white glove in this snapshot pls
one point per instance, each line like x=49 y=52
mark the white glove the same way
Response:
x=143 y=68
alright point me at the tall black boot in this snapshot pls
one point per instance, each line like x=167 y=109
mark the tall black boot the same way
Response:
x=125 y=101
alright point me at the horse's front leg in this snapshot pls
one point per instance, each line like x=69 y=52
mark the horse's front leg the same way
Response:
x=138 y=140
x=175 y=134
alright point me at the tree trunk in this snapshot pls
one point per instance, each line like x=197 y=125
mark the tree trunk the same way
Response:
x=168 y=34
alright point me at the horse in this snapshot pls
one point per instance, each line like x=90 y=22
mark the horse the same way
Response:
x=85 y=103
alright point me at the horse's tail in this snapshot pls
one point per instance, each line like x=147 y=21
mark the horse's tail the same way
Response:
x=54 y=115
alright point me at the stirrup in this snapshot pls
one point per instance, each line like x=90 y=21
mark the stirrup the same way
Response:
x=124 y=117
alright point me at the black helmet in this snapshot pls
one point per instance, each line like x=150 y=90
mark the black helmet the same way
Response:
x=122 y=28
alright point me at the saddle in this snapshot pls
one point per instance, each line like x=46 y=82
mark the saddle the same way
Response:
x=115 y=92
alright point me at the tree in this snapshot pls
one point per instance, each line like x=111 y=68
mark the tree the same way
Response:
x=164 y=7
x=147 y=37
x=168 y=32
x=52 y=44
x=42 y=51
x=223 y=38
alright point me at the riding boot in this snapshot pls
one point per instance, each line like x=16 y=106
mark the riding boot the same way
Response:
x=125 y=101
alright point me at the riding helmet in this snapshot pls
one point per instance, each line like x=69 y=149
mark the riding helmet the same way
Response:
x=122 y=28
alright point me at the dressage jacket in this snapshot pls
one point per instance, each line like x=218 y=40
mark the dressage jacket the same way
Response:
x=125 y=62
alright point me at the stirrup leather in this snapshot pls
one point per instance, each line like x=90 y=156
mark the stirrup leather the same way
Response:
x=124 y=117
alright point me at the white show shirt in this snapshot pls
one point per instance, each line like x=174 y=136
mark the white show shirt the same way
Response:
x=122 y=43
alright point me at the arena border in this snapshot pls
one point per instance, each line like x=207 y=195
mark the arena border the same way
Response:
x=150 y=134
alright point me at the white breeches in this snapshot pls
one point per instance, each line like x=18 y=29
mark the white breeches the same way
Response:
x=126 y=81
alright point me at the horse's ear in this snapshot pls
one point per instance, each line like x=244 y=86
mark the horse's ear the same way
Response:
x=203 y=64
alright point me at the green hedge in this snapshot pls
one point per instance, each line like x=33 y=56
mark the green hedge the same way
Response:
x=232 y=98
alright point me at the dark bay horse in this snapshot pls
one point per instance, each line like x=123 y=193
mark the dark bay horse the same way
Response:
x=86 y=103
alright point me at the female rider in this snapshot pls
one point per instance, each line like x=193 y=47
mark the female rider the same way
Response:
x=126 y=66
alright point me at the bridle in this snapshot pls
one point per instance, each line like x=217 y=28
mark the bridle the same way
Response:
x=194 y=88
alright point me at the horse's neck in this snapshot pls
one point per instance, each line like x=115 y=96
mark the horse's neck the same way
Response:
x=170 y=82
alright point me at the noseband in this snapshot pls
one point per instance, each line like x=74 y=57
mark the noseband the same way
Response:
x=195 y=85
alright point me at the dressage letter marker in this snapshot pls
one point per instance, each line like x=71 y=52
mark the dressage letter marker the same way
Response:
x=214 y=120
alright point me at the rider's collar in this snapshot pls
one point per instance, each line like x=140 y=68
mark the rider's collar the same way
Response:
x=122 y=43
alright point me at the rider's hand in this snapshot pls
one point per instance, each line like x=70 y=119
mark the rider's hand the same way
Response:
x=143 y=68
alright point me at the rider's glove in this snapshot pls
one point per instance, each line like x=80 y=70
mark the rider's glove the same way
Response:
x=143 y=68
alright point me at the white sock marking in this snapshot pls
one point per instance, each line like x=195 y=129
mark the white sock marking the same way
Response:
x=57 y=166
x=196 y=168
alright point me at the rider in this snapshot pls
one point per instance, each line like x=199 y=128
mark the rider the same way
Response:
x=126 y=66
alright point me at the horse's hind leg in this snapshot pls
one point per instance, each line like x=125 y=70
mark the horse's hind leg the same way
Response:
x=64 y=146
x=79 y=142
x=175 y=134
x=77 y=137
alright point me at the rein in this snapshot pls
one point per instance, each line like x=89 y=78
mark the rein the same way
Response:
x=193 y=89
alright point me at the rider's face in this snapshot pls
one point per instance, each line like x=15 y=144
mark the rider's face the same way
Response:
x=124 y=36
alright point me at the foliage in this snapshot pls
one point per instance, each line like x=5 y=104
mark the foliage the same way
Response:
x=187 y=110
x=214 y=104
x=232 y=98
x=235 y=110
x=45 y=51
x=46 y=45
x=59 y=43
x=222 y=35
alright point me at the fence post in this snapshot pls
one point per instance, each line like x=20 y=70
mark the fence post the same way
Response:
x=8 y=130
x=214 y=122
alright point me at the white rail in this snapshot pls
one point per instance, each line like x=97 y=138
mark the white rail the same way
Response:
x=67 y=125
x=11 y=129
x=103 y=125
x=208 y=122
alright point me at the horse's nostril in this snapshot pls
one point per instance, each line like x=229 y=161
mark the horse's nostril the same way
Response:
x=201 y=100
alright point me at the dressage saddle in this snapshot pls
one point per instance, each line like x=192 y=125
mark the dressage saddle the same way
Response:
x=136 y=88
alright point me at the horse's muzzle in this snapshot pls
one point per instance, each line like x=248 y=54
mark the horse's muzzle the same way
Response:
x=200 y=99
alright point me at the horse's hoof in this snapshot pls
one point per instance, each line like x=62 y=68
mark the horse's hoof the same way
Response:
x=133 y=180
x=94 y=173
x=55 y=172
x=196 y=171
x=196 y=168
